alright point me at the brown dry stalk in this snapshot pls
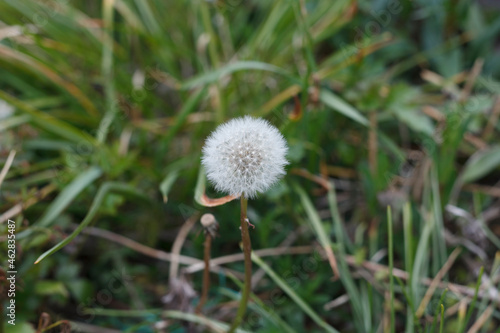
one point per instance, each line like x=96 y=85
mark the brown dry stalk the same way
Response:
x=435 y=282
x=492 y=120
x=179 y=241
x=150 y=252
x=18 y=208
x=206 y=272
x=7 y=165
x=481 y=320
x=489 y=190
x=471 y=78
x=195 y=265
x=308 y=175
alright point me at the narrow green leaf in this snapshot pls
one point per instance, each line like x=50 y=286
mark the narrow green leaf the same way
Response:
x=473 y=303
x=391 y=267
x=481 y=163
x=415 y=120
x=202 y=320
x=49 y=287
x=441 y=325
x=199 y=189
x=13 y=121
x=421 y=259
x=231 y=68
x=107 y=69
x=341 y=106
x=188 y=107
x=258 y=306
x=46 y=121
x=98 y=201
x=68 y=195
x=167 y=183
x=314 y=218
x=436 y=313
x=293 y=295
x=345 y=275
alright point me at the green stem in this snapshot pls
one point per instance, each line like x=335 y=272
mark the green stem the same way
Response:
x=247 y=249
x=391 y=266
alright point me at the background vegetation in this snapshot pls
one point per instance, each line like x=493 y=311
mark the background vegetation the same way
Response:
x=383 y=103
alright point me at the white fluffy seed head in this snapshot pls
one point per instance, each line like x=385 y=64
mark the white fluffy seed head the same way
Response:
x=245 y=156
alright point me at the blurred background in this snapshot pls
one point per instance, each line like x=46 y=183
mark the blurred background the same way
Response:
x=104 y=109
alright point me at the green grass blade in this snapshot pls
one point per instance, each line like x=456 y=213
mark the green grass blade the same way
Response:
x=216 y=326
x=391 y=267
x=188 y=107
x=94 y=208
x=436 y=313
x=314 y=218
x=408 y=244
x=420 y=261
x=439 y=243
x=172 y=173
x=480 y=164
x=258 y=306
x=68 y=194
x=24 y=61
x=215 y=75
x=441 y=325
x=107 y=71
x=47 y=122
x=170 y=314
x=473 y=303
x=343 y=241
x=199 y=189
x=167 y=183
x=293 y=295
x=341 y=106
x=345 y=274
x=148 y=17
x=10 y=122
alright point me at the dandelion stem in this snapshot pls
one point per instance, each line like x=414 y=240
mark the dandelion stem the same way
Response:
x=247 y=249
x=206 y=272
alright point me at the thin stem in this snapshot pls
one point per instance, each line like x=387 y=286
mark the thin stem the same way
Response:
x=3 y=277
x=391 y=267
x=206 y=272
x=247 y=249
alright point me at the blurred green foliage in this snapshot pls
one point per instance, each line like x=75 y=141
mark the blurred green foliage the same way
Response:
x=390 y=102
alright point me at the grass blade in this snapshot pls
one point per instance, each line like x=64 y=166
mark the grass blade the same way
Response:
x=14 y=56
x=68 y=194
x=391 y=266
x=345 y=274
x=318 y=228
x=293 y=295
x=341 y=106
x=473 y=303
x=47 y=122
x=215 y=75
x=258 y=306
x=441 y=325
x=188 y=107
x=107 y=71
x=214 y=325
x=440 y=307
x=94 y=208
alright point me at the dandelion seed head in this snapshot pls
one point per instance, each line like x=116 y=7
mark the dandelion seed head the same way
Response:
x=245 y=156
